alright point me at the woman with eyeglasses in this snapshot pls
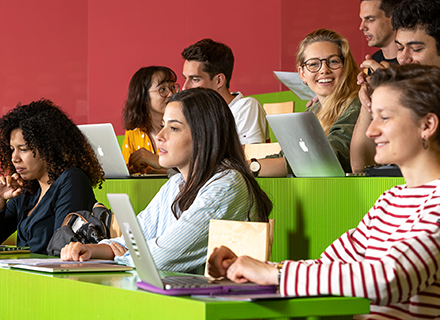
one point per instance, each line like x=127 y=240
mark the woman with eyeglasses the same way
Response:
x=326 y=65
x=149 y=90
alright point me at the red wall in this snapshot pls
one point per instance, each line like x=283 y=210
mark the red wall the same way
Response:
x=83 y=53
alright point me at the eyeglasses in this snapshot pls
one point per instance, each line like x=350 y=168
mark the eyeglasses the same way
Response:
x=333 y=62
x=165 y=90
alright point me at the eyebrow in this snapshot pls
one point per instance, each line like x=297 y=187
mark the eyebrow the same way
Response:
x=411 y=43
x=367 y=17
x=172 y=121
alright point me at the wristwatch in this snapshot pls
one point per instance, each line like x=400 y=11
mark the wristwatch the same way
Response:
x=255 y=167
x=280 y=268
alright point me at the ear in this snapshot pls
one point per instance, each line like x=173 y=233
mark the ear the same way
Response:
x=429 y=124
x=301 y=74
x=220 y=80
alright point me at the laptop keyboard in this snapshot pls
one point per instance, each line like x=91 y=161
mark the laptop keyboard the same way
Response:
x=185 y=282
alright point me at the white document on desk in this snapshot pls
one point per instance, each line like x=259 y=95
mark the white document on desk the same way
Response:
x=293 y=81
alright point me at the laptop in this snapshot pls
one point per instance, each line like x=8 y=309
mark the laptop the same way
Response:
x=103 y=139
x=168 y=285
x=305 y=145
x=7 y=249
x=69 y=267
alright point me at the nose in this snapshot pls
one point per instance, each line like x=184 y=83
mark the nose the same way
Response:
x=14 y=157
x=372 y=130
x=404 y=57
x=324 y=67
x=186 y=85
x=160 y=135
x=362 y=26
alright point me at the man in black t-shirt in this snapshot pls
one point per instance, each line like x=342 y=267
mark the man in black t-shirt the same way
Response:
x=376 y=25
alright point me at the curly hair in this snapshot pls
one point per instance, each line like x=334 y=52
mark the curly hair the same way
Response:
x=49 y=131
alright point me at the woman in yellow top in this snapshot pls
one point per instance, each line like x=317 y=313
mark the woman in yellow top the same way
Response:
x=149 y=90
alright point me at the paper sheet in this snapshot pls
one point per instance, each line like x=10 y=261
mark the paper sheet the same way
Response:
x=293 y=81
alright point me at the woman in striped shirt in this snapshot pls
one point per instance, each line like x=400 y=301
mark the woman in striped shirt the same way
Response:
x=199 y=139
x=393 y=256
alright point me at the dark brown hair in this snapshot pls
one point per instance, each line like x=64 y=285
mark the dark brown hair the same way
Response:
x=50 y=132
x=136 y=112
x=216 y=148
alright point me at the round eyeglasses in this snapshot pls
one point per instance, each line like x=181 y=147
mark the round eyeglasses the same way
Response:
x=333 y=62
x=165 y=90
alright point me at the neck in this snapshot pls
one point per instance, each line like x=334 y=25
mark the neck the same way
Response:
x=44 y=186
x=390 y=50
x=226 y=95
x=425 y=170
x=156 y=122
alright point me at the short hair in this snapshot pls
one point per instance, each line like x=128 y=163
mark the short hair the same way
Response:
x=387 y=6
x=215 y=148
x=50 y=132
x=347 y=89
x=216 y=57
x=415 y=14
x=136 y=112
x=419 y=88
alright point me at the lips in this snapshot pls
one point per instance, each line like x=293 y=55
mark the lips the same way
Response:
x=19 y=170
x=162 y=151
x=325 y=80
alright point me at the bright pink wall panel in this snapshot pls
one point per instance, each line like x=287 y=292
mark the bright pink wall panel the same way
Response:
x=43 y=53
x=127 y=35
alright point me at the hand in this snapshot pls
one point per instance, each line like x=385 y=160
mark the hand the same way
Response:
x=11 y=186
x=76 y=251
x=219 y=261
x=312 y=102
x=141 y=159
x=246 y=269
x=118 y=250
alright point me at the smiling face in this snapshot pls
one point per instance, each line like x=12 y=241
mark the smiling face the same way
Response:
x=394 y=128
x=323 y=82
x=416 y=46
x=375 y=25
x=175 y=140
x=28 y=166
x=195 y=77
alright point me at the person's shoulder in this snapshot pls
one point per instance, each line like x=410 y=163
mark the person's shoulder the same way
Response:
x=72 y=174
x=242 y=100
x=378 y=56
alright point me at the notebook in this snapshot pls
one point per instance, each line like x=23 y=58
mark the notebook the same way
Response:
x=147 y=270
x=73 y=267
x=305 y=145
x=103 y=139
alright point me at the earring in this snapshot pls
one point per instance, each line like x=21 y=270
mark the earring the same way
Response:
x=425 y=146
x=306 y=83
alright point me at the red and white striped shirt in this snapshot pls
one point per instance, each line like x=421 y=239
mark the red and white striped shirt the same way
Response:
x=391 y=258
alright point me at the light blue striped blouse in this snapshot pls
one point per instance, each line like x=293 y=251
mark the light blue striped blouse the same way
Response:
x=181 y=245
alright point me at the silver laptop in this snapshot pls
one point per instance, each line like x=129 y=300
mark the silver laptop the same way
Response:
x=72 y=267
x=305 y=145
x=103 y=139
x=147 y=270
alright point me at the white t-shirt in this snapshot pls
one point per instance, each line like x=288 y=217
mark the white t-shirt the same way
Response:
x=250 y=119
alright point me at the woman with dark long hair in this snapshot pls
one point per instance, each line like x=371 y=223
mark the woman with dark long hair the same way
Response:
x=200 y=140
x=149 y=90
x=48 y=170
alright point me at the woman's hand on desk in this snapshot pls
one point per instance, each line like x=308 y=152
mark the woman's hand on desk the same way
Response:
x=219 y=261
x=76 y=251
x=143 y=161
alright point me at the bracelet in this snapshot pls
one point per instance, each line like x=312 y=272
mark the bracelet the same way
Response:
x=280 y=268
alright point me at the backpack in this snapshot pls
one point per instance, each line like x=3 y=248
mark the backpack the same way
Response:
x=85 y=227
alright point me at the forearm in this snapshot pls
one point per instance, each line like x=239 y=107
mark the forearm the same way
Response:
x=272 y=167
x=362 y=148
x=101 y=251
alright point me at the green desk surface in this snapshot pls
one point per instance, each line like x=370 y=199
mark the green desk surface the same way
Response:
x=32 y=295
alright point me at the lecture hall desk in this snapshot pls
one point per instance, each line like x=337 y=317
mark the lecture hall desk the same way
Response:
x=309 y=214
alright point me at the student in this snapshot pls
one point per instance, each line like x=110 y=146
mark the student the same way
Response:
x=326 y=65
x=48 y=170
x=209 y=64
x=148 y=92
x=417 y=25
x=200 y=140
x=376 y=25
x=393 y=256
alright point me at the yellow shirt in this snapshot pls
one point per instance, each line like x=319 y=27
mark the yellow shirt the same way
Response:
x=134 y=140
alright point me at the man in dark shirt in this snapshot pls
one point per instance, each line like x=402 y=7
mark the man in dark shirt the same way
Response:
x=376 y=25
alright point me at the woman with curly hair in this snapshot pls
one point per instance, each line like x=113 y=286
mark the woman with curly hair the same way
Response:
x=48 y=169
x=149 y=90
